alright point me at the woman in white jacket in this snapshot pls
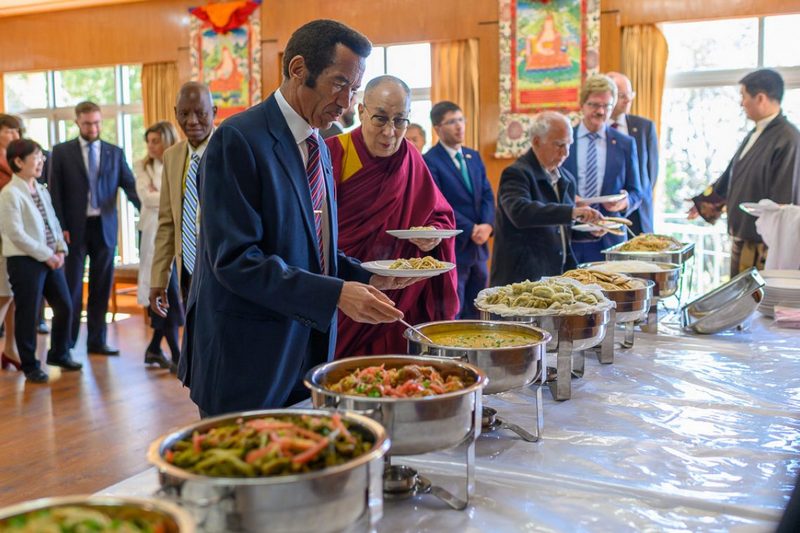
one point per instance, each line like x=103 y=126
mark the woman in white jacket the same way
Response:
x=159 y=137
x=34 y=247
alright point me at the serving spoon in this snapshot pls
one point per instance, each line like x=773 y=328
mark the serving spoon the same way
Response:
x=417 y=331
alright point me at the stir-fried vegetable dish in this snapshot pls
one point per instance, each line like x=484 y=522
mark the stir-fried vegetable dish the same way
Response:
x=409 y=381
x=88 y=519
x=270 y=446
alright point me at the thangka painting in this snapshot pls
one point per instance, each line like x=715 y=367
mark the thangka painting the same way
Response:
x=226 y=54
x=547 y=48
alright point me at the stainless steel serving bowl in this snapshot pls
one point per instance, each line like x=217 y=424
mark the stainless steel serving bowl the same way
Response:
x=415 y=425
x=507 y=368
x=666 y=280
x=175 y=519
x=727 y=306
x=347 y=497
x=678 y=257
x=632 y=304
x=586 y=330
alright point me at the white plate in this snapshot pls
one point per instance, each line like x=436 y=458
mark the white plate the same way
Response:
x=602 y=199
x=755 y=209
x=786 y=274
x=791 y=285
x=382 y=269
x=591 y=227
x=423 y=233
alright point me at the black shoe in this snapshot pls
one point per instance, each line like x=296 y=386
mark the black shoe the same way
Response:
x=156 y=358
x=42 y=328
x=103 y=349
x=66 y=362
x=36 y=376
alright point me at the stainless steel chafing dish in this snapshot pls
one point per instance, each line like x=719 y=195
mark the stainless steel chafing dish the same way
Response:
x=632 y=304
x=176 y=520
x=415 y=425
x=347 y=497
x=679 y=256
x=727 y=306
x=507 y=367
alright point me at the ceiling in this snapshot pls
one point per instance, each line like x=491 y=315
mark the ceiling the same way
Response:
x=22 y=7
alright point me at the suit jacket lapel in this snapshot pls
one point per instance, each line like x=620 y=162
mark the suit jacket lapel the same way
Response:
x=286 y=153
x=612 y=151
x=454 y=170
x=473 y=178
x=78 y=154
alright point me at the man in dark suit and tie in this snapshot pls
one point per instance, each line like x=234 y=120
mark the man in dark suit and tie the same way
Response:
x=605 y=163
x=85 y=174
x=644 y=133
x=461 y=176
x=269 y=280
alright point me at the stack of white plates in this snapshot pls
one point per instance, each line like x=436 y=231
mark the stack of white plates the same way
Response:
x=782 y=287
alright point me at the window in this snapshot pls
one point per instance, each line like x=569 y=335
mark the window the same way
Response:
x=46 y=101
x=412 y=64
x=703 y=124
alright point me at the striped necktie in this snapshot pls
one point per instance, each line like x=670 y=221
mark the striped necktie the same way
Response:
x=464 y=171
x=590 y=183
x=94 y=169
x=316 y=185
x=189 y=216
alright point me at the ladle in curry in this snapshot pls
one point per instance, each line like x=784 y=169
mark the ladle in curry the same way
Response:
x=415 y=330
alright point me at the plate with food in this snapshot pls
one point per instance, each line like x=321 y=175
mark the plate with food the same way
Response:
x=604 y=224
x=416 y=267
x=602 y=199
x=423 y=232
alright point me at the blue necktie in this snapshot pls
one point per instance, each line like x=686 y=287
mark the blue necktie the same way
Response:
x=464 y=171
x=590 y=185
x=189 y=217
x=92 y=173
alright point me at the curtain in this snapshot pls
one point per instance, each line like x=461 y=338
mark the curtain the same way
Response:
x=454 y=77
x=644 y=61
x=159 y=90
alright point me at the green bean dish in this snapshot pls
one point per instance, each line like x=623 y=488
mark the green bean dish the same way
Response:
x=269 y=446
x=88 y=519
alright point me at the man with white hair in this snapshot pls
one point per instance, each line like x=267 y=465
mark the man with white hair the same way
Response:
x=604 y=162
x=536 y=206
x=643 y=132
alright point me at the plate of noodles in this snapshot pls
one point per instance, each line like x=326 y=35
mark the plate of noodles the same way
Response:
x=423 y=232
x=416 y=267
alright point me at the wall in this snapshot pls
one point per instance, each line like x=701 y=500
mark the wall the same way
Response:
x=158 y=31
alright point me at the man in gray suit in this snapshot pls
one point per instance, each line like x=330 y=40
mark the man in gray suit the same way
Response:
x=644 y=132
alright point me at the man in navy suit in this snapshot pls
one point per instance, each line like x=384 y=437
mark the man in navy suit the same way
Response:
x=605 y=163
x=85 y=174
x=644 y=133
x=461 y=176
x=268 y=279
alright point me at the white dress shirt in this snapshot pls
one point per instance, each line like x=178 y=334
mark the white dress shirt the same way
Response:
x=90 y=211
x=583 y=146
x=301 y=130
x=760 y=125
x=452 y=152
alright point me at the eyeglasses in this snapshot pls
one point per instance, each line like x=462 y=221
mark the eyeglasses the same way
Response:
x=454 y=121
x=40 y=157
x=596 y=105
x=627 y=96
x=380 y=121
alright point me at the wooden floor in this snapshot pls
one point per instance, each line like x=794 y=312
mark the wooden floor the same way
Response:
x=87 y=430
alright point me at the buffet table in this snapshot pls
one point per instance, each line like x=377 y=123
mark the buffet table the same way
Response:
x=682 y=432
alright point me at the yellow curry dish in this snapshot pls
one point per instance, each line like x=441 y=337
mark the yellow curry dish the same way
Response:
x=470 y=338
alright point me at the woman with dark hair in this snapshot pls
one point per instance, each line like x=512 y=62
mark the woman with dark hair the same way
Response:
x=9 y=132
x=148 y=171
x=34 y=247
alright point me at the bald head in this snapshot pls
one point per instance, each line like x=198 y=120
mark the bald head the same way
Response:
x=384 y=115
x=195 y=112
x=625 y=94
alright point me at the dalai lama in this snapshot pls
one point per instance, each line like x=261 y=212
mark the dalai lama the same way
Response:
x=382 y=183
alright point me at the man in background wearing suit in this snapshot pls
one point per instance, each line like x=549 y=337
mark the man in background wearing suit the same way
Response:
x=536 y=206
x=644 y=133
x=85 y=174
x=176 y=237
x=605 y=163
x=461 y=176
x=269 y=279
